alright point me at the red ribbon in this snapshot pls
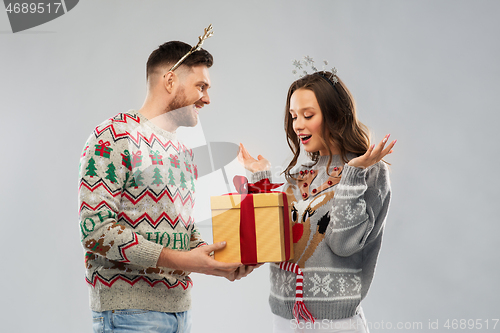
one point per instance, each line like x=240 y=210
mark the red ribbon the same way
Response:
x=248 y=236
x=102 y=148
x=136 y=158
x=104 y=144
x=262 y=186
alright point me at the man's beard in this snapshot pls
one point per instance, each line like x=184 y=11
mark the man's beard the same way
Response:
x=182 y=111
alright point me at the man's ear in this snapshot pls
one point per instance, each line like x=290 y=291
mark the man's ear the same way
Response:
x=170 y=81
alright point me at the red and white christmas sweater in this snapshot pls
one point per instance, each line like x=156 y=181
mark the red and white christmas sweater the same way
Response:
x=136 y=196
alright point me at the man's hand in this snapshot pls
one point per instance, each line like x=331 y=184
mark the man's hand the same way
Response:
x=199 y=261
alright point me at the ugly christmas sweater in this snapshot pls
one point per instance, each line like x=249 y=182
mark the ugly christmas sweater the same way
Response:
x=136 y=195
x=338 y=221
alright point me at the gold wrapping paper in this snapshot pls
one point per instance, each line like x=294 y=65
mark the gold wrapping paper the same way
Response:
x=269 y=227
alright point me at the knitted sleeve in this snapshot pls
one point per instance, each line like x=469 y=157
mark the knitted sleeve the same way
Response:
x=361 y=203
x=102 y=177
x=259 y=175
x=196 y=239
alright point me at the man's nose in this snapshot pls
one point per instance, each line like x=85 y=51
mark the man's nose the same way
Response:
x=205 y=98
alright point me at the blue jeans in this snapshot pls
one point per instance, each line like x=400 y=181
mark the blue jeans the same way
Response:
x=135 y=320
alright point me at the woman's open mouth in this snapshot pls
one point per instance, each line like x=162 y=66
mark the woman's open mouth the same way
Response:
x=305 y=139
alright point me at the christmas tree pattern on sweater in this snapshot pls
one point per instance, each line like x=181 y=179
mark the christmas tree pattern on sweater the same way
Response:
x=134 y=200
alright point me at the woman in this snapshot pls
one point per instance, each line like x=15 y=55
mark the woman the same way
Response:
x=340 y=201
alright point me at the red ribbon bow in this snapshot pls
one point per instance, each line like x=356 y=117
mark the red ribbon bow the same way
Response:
x=262 y=186
x=104 y=144
x=248 y=237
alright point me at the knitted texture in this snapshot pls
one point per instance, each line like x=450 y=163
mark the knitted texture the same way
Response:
x=136 y=195
x=299 y=309
x=338 y=221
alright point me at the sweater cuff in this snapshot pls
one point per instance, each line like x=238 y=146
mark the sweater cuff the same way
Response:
x=146 y=254
x=353 y=176
x=352 y=184
x=259 y=175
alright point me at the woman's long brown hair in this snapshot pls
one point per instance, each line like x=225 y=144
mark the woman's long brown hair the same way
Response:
x=340 y=125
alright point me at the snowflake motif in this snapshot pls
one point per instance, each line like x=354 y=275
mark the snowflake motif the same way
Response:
x=341 y=281
x=297 y=64
x=314 y=68
x=349 y=215
x=171 y=211
x=102 y=163
x=286 y=284
x=178 y=207
x=94 y=197
x=122 y=205
x=308 y=60
x=357 y=284
x=334 y=76
x=155 y=210
x=321 y=284
x=145 y=205
x=121 y=171
x=134 y=211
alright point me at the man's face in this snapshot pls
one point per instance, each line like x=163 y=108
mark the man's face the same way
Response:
x=191 y=96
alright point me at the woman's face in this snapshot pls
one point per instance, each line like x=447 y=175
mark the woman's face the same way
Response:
x=307 y=119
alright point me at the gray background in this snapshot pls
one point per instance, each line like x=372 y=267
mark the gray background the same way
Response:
x=425 y=71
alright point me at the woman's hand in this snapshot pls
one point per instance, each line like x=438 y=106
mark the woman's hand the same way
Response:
x=373 y=154
x=243 y=271
x=250 y=163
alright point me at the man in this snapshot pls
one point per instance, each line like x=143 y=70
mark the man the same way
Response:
x=136 y=195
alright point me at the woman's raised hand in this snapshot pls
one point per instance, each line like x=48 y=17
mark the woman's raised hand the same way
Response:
x=250 y=163
x=373 y=154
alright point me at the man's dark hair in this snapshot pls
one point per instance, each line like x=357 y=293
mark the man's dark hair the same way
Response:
x=169 y=53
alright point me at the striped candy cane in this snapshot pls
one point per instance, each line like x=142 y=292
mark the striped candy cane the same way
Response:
x=299 y=308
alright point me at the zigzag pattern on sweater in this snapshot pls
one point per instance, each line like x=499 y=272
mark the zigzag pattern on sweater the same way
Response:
x=123 y=247
x=122 y=118
x=132 y=281
x=96 y=185
x=164 y=217
x=117 y=134
x=154 y=223
x=101 y=204
x=157 y=197
x=134 y=199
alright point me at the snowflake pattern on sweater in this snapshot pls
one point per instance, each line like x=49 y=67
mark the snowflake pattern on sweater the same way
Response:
x=338 y=220
x=132 y=204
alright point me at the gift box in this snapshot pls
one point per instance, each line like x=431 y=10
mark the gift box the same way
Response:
x=254 y=223
x=102 y=149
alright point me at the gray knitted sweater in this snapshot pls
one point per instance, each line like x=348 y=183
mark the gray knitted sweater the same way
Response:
x=337 y=225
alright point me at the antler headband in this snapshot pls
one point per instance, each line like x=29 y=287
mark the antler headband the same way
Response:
x=208 y=33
